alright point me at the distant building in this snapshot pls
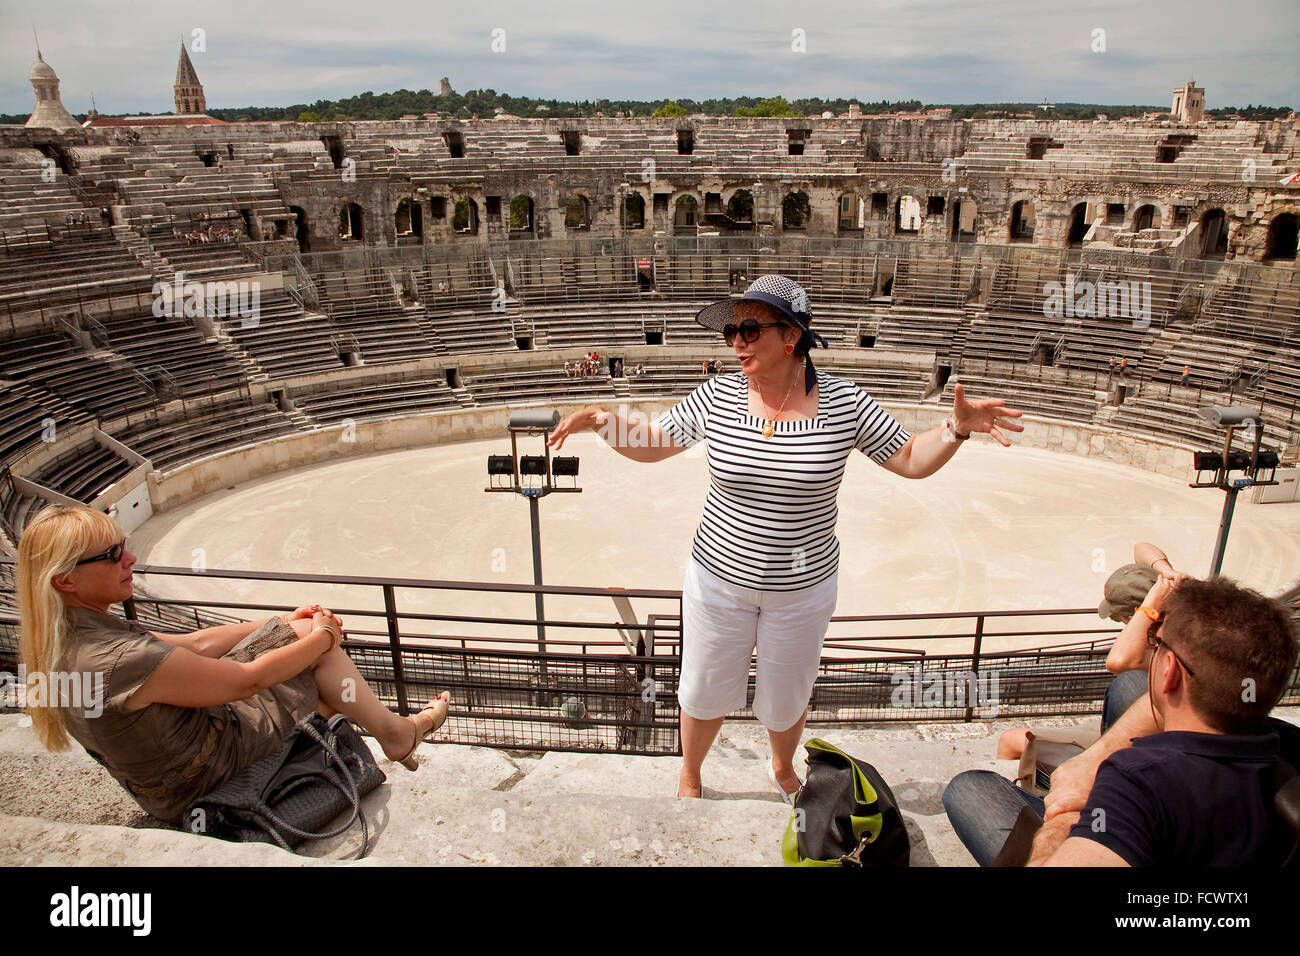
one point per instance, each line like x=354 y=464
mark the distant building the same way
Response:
x=49 y=112
x=1189 y=103
x=189 y=91
x=191 y=104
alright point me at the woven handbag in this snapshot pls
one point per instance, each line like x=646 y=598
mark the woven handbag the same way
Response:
x=322 y=771
x=845 y=815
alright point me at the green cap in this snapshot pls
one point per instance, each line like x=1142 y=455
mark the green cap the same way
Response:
x=1125 y=590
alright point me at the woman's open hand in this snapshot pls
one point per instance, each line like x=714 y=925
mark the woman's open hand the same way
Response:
x=583 y=420
x=984 y=415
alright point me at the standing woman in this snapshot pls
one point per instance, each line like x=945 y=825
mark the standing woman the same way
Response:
x=763 y=567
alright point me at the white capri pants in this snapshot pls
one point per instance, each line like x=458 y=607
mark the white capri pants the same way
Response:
x=721 y=625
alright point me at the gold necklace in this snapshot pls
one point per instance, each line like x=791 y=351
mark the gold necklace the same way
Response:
x=769 y=427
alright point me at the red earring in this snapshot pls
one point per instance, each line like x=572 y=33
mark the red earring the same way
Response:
x=789 y=350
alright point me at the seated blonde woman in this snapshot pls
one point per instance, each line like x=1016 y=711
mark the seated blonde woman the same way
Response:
x=180 y=713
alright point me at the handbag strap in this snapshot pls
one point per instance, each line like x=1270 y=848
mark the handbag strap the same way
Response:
x=267 y=815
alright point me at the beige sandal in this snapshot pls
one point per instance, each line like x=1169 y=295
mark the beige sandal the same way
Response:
x=443 y=703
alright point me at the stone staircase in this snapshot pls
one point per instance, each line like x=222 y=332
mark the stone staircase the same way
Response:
x=476 y=806
x=153 y=261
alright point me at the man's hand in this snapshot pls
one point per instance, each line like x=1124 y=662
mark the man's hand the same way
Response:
x=1071 y=783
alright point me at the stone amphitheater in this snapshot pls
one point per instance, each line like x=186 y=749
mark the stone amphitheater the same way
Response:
x=414 y=281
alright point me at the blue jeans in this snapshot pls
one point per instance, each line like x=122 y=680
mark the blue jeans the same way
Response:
x=982 y=805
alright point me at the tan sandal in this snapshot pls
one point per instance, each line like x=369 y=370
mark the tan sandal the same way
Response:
x=440 y=703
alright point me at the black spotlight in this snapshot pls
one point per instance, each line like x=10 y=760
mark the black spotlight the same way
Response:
x=501 y=465
x=564 y=467
x=1207 y=460
x=1267 y=459
x=1238 y=460
x=532 y=464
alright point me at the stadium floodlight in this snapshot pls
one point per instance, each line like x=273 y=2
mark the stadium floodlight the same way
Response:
x=533 y=423
x=1228 y=415
x=1252 y=464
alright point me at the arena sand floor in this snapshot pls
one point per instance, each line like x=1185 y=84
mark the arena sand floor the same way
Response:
x=997 y=528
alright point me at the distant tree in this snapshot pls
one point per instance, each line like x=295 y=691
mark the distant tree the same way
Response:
x=670 y=109
x=308 y=116
x=773 y=106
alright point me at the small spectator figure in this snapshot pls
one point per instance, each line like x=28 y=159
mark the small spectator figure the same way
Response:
x=568 y=372
x=704 y=368
x=1186 y=380
x=618 y=368
x=1123 y=367
x=640 y=368
x=717 y=368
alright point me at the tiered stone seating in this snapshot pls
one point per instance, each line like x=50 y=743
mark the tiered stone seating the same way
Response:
x=177 y=435
x=285 y=340
x=97 y=382
x=507 y=386
x=382 y=397
x=62 y=267
x=82 y=472
x=27 y=413
x=198 y=367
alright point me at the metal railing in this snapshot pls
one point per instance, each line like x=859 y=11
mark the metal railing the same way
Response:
x=608 y=682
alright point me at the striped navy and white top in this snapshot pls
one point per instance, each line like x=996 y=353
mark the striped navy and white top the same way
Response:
x=769 y=518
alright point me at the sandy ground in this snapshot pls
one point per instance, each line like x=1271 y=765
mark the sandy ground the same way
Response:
x=995 y=529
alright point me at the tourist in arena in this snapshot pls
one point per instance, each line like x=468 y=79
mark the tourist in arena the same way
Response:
x=177 y=714
x=763 y=568
x=1186 y=777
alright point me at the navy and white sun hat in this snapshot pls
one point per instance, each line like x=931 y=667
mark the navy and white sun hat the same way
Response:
x=784 y=295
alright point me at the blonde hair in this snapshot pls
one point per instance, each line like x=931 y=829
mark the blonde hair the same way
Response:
x=51 y=545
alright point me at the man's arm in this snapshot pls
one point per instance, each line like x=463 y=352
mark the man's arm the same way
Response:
x=1072 y=781
x=1078 y=851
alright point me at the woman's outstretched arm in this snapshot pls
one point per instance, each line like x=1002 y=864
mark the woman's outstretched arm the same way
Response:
x=639 y=440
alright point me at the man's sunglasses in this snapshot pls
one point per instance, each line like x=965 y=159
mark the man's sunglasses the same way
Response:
x=749 y=331
x=113 y=554
x=1153 y=636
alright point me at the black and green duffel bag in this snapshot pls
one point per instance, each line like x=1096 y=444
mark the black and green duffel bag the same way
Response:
x=845 y=815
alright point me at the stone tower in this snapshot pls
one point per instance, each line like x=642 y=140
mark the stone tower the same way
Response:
x=1189 y=103
x=49 y=110
x=189 y=91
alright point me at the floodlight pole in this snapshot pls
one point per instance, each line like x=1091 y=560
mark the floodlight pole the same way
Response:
x=1225 y=522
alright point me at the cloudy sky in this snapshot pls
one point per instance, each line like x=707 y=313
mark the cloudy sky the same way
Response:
x=280 y=52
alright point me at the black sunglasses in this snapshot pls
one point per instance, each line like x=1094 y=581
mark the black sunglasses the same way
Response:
x=113 y=554
x=1154 y=640
x=749 y=331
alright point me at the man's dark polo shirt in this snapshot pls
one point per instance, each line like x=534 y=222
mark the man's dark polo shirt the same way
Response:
x=1187 y=799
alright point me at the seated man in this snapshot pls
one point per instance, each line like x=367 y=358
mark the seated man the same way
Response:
x=1196 y=786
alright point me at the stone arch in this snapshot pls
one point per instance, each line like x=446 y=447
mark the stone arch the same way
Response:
x=795 y=211
x=1280 y=244
x=408 y=218
x=1021 y=227
x=633 y=211
x=301 y=229
x=1214 y=233
x=465 y=217
x=1079 y=226
x=907 y=214
x=1147 y=216
x=577 y=213
x=686 y=213
x=965 y=213
x=740 y=208
x=352 y=222
x=521 y=221
x=851 y=217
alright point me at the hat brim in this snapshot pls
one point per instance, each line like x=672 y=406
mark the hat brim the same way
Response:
x=718 y=315
x=1109 y=611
